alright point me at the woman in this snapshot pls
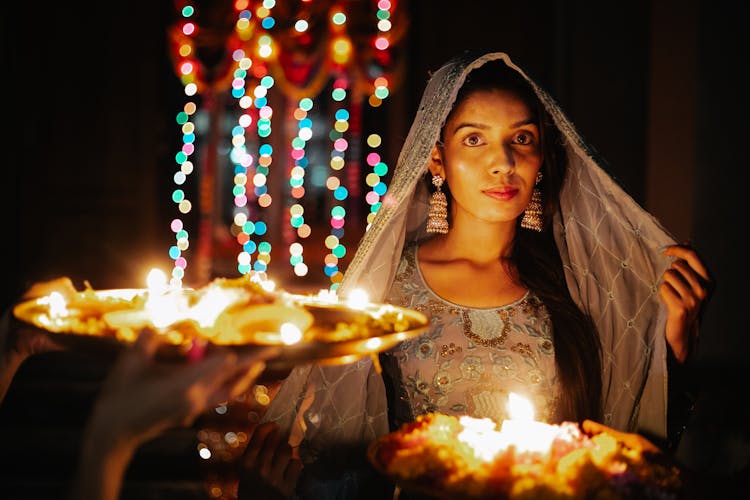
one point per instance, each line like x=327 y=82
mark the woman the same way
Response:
x=547 y=278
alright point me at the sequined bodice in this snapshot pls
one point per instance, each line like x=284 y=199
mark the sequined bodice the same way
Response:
x=470 y=359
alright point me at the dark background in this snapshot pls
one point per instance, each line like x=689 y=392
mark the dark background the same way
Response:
x=90 y=98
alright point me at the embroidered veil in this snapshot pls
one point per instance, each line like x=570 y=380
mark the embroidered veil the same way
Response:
x=611 y=250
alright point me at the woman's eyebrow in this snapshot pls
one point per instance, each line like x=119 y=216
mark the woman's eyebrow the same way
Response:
x=482 y=126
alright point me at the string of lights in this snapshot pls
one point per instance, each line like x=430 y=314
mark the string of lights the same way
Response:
x=262 y=57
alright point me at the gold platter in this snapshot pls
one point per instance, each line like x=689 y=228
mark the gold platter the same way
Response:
x=429 y=457
x=329 y=332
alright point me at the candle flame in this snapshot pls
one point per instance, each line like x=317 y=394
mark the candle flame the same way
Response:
x=57 y=305
x=358 y=299
x=290 y=334
x=157 y=282
x=520 y=408
x=211 y=304
x=327 y=296
x=522 y=431
x=482 y=436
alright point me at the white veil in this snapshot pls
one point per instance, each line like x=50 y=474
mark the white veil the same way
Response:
x=611 y=250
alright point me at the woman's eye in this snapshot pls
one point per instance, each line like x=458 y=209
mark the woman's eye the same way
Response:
x=473 y=140
x=524 y=138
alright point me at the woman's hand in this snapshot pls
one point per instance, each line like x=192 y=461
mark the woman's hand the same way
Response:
x=19 y=340
x=142 y=396
x=685 y=290
x=269 y=470
x=631 y=440
x=170 y=393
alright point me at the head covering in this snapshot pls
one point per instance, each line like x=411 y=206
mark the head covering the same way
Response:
x=611 y=250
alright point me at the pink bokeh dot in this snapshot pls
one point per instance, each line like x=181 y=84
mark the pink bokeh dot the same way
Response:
x=373 y=159
x=340 y=144
x=372 y=197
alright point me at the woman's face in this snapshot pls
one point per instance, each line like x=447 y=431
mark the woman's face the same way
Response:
x=490 y=156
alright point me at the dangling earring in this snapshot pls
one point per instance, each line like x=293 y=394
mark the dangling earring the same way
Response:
x=532 y=216
x=437 y=216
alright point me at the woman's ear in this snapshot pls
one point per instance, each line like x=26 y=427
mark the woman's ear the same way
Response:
x=436 y=161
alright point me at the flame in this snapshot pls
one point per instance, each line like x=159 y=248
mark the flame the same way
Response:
x=327 y=296
x=211 y=304
x=57 y=305
x=358 y=299
x=482 y=436
x=157 y=282
x=522 y=431
x=520 y=408
x=290 y=334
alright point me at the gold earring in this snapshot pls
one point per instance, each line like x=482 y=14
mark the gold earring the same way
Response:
x=532 y=216
x=437 y=216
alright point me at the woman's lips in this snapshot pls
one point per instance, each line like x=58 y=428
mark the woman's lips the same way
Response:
x=502 y=194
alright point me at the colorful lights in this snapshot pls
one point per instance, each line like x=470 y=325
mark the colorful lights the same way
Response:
x=374 y=178
x=187 y=71
x=333 y=183
x=296 y=183
x=357 y=71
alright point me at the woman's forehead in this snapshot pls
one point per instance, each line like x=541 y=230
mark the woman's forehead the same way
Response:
x=491 y=105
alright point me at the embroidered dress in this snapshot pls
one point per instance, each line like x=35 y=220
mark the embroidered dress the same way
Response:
x=471 y=358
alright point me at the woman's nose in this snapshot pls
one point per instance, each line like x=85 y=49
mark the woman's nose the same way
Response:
x=502 y=161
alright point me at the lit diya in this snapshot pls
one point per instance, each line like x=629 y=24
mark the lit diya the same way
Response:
x=465 y=457
x=232 y=312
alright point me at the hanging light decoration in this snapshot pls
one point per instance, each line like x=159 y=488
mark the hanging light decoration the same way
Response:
x=297 y=49
x=297 y=189
x=188 y=68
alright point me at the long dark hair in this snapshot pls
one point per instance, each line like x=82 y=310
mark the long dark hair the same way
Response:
x=537 y=260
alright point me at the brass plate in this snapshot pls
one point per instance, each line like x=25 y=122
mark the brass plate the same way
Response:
x=332 y=333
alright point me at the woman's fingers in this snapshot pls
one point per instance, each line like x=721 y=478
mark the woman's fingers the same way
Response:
x=686 y=282
x=686 y=287
x=631 y=440
x=280 y=458
x=268 y=461
x=292 y=472
x=688 y=270
x=690 y=256
x=251 y=457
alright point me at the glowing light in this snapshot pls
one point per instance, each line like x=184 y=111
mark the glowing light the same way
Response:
x=56 y=303
x=519 y=407
x=327 y=296
x=290 y=333
x=374 y=343
x=381 y=43
x=482 y=436
x=156 y=281
x=358 y=299
x=522 y=431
